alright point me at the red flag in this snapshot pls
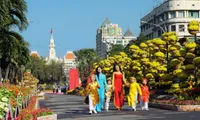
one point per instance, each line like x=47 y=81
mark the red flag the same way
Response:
x=51 y=31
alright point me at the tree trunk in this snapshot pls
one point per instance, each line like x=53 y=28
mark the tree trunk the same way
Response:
x=13 y=75
x=0 y=75
x=7 y=72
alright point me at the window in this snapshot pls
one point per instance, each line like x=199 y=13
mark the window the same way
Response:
x=172 y=14
x=173 y=28
x=119 y=42
x=181 y=14
x=193 y=14
x=181 y=28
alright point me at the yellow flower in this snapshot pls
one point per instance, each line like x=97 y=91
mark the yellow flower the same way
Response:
x=159 y=54
x=135 y=63
x=145 y=60
x=136 y=68
x=106 y=69
x=193 y=26
x=143 y=45
x=134 y=47
x=172 y=48
x=155 y=64
x=190 y=55
x=197 y=60
x=190 y=45
x=174 y=62
x=175 y=72
x=149 y=76
x=158 y=41
x=123 y=54
x=166 y=77
x=190 y=66
x=162 y=68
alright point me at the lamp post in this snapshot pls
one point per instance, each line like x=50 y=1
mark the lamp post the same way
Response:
x=195 y=52
x=167 y=44
x=154 y=25
x=30 y=21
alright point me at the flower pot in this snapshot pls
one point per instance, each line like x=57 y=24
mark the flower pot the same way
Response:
x=49 y=117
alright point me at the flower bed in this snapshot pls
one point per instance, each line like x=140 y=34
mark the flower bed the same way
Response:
x=30 y=113
x=17 y=100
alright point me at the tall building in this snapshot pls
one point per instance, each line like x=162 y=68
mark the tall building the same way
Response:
x=111 y=34
x=69 y=62
x=52 y=51
x=171 y=15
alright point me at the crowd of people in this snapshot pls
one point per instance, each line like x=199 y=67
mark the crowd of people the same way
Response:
x=100 y=88
x=57 y=88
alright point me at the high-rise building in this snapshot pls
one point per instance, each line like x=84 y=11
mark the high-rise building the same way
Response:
x=52 y=51
x=171 y=15
x=111 y=34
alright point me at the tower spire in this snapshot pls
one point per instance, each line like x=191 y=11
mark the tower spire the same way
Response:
x=51 y=31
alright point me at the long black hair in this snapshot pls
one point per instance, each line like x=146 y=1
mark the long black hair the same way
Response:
x=97 y=72
x=114 y=68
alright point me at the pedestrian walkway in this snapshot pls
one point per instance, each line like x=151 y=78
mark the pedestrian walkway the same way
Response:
x=69 y=107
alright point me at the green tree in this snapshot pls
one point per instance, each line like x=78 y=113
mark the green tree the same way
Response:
x=46 y=73
x=13 y=50
x=85 y=60
x=116 y=49
x=140 y=39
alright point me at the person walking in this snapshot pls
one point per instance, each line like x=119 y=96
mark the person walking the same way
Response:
x=108 y=94
x=117 y=82
x=134 y=89
x=54 y=88
x=101 y=79
x=92 y=93
x=145 y=95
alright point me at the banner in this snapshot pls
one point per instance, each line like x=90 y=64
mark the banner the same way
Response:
x=74 y=80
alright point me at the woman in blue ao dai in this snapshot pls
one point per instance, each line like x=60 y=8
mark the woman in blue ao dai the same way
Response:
x=101 y=79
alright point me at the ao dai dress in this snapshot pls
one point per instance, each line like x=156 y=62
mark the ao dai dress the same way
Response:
x=101 y=91
x=134 y=89
x=91 y=89
x=118 y=91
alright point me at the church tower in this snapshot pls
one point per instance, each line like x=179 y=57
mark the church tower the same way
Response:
x=52 y=51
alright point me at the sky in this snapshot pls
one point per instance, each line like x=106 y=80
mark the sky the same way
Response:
x=75 y=22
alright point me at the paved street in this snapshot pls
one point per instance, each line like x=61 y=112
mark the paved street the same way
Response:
x=70 y=107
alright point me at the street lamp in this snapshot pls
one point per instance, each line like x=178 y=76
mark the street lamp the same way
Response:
x=164 y=24
x=167 y=44
x=154 y=25
x=30 y=21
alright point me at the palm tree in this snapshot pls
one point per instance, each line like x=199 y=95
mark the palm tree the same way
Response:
x=12 y=14
x=85 y=60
